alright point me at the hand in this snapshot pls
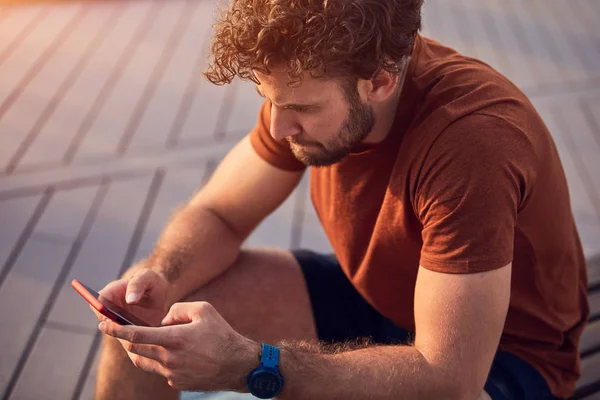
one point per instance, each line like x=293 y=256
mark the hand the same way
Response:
x=143 y=293
x=200 y=351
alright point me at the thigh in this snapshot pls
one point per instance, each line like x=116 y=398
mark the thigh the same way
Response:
x=263 y=296
x=341 y=314
x=511 y=378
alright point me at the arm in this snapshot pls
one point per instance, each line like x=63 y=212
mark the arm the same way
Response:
x=459 y=320
x=204 y=236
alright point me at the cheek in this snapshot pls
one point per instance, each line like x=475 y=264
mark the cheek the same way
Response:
x=323 y=126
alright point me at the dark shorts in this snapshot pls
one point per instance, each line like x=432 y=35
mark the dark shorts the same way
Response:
x=341 y=314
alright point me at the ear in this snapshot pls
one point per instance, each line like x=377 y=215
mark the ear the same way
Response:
x=382 y=86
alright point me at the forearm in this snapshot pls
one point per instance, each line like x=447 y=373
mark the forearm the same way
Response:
x=195 y=247
x=382 y=372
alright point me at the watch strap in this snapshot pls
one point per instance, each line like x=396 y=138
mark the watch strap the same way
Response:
x=270 y=356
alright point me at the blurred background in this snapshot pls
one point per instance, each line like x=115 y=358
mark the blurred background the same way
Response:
x=106 y=125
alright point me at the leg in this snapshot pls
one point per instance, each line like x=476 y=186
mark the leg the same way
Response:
x=263 y=295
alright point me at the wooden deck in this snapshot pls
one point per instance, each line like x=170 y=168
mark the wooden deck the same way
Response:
x=105 y=126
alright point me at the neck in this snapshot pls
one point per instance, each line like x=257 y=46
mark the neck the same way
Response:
x=386 y=112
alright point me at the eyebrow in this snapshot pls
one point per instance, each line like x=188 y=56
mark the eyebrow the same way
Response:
x=286 y=106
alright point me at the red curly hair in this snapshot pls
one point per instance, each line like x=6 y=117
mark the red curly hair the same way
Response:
x=335 y=38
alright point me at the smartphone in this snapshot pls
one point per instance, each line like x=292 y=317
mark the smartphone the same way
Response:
x=106 y=307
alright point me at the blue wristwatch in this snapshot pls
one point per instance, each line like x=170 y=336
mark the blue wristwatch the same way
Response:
x=265 y=382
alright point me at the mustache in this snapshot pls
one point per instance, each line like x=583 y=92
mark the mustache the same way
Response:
x=301 y=142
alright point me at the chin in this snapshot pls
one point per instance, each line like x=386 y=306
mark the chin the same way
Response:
x=316 y=159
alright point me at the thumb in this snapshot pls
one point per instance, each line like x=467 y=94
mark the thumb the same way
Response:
x=136 y=287
x=181 y=313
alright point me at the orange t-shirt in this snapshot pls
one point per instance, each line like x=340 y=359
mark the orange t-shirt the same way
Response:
x=468 y=179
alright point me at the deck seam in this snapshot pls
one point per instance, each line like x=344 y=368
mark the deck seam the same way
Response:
x=42 y=60
x=26 y=233
x=58 y=285
x=21 y=36
x=169 y=48
x=132 y=248
x=63 y=90
x=110 y=83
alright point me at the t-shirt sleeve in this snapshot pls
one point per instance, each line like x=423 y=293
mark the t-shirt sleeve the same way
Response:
x=473 y=181
x=275 y=152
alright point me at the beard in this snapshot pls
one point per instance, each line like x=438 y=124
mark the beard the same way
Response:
x=355 y=128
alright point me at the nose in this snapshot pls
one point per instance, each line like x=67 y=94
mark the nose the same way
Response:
x=283 y=124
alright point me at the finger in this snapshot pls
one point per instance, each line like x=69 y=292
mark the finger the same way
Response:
x=147 y=365
x=139 y=334
x=183 y=313
x=114 y=291
x=137 y=286
x=150 y=351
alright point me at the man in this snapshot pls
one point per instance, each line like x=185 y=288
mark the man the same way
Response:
x=458 y=272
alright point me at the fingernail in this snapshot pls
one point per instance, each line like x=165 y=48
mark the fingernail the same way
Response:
x=102 y=326
x=131 y=297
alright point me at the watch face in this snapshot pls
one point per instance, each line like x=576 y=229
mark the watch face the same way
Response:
x=264 y=384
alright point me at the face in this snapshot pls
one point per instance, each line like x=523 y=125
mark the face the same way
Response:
x=320 y=122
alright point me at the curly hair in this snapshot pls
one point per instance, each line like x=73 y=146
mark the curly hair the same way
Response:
x=335 y=38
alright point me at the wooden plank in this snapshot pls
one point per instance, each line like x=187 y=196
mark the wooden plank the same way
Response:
x=491 y=26
x=203 y=118
x=448 y=17
x=178 y=186
x=527 y=15
x=54 y=365
x=591 y=112
x=164 y=107
x=163 y=61
x=14 y=213
x=66 y=212
x=594 y=299
x=22 y=61
x=584 y=213
x=133 y=165
x=55 y=286
x=552 y=34
x=590 y=371
x=40 y=63
x=583 y=39
x=482 y=42
x=112 y=81
x=586 y=13
x=593 y=265
x=243 y=113
x=14 y=30
x=431 y=20
x=33 y=274
x=276 y=229
x=51 y=83
x=77 y=102
x=103 y=252
x=519 y=40
x=519 y=59
x=313 y=236
x=112 y=115
x=456 y=14
x=590 y=339
x=15 y=125
x=583 y=143
x=89 y=386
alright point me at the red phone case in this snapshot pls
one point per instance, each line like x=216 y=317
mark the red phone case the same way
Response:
x=90 y=298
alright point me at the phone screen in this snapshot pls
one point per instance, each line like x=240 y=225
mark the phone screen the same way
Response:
x=121 y=316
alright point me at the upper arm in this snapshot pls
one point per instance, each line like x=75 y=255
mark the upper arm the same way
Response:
x=476 y=178
x=459 y=320
x=244 y=189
